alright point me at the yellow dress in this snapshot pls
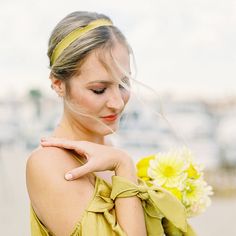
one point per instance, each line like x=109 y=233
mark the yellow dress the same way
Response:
x=164 y=214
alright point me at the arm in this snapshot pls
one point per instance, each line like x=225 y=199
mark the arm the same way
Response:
x=58 y=203
x=129 y=210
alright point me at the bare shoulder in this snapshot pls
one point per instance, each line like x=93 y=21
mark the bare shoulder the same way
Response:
x=58 y=203
x=52 y=158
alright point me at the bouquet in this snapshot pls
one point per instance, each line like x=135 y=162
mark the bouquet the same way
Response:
x=177 y=172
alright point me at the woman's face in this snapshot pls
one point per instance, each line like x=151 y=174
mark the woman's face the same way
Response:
x=94 y=91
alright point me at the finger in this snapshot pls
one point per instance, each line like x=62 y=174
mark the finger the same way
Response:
x=63 y=143
x=78 y=172
x=58 y=142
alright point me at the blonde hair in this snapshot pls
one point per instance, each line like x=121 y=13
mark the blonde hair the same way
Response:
x=70 y=60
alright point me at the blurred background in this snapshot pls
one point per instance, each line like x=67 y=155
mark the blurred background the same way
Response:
x=185 y=50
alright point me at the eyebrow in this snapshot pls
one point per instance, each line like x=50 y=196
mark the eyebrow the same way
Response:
x=104 y=81
x=100 y=81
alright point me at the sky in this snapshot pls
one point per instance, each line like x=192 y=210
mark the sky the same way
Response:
x=185 y=47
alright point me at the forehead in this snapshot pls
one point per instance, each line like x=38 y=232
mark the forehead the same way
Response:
x=104 y=63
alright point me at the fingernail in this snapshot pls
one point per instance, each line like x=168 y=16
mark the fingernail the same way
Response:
x=68 y=176
x=43 y=139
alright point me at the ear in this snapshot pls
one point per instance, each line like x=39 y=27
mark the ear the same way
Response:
x=58 y=85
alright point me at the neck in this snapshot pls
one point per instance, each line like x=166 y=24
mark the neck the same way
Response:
x=68 y=128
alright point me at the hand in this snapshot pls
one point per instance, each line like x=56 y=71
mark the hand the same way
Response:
x=99 y=157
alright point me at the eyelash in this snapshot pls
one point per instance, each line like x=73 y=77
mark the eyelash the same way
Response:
x=101 y=91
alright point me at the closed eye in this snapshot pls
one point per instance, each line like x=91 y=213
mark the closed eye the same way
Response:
x=98 y=91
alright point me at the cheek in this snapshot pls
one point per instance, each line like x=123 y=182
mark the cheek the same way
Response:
x=91 y=103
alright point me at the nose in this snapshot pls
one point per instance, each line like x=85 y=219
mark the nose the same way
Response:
x=115 y=99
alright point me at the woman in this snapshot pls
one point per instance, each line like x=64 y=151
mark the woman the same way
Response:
x=78 y=184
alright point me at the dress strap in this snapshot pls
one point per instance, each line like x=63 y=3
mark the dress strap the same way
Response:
x=77 y=158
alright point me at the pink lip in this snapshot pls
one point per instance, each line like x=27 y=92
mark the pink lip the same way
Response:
x=110 y=117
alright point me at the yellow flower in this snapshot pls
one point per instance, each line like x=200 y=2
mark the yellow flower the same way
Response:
x=192 y=191
x=192 y=172
x=142 y=167
x=168 y=169
x=196 y=196
x=177 y=172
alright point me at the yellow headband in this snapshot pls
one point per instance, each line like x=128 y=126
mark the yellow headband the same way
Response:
x=75 y=34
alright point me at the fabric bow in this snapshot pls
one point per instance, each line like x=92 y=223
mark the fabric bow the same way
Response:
x=157 y=202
